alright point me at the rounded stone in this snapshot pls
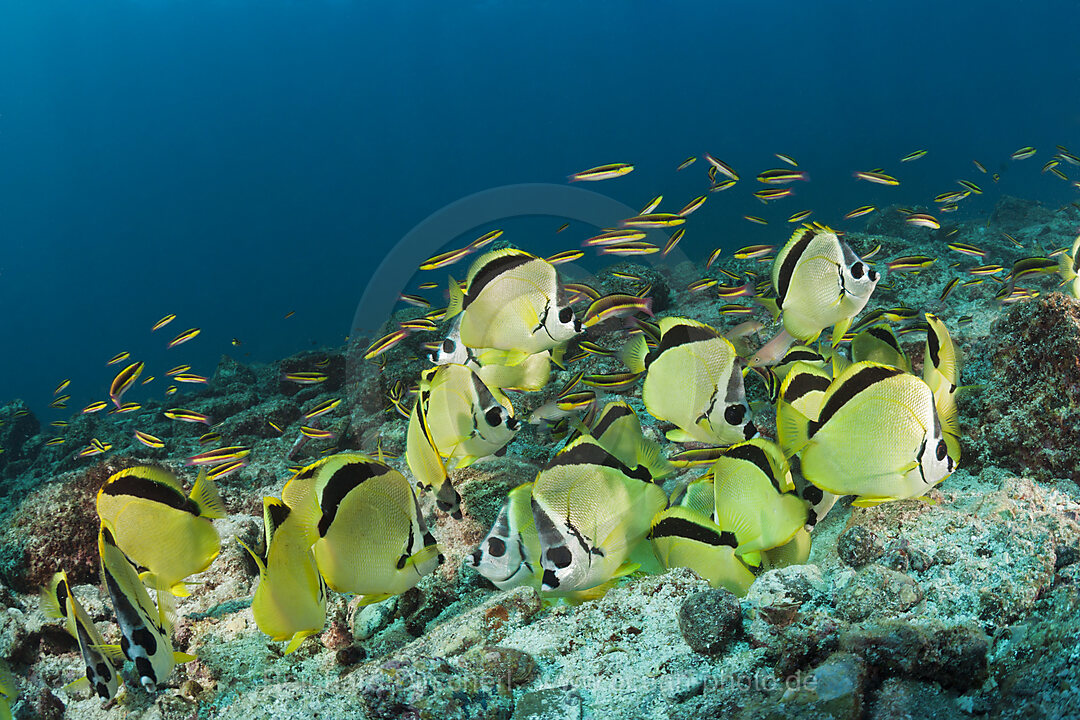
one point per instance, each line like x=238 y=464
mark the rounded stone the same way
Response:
x=709 y=620
x=859 y=546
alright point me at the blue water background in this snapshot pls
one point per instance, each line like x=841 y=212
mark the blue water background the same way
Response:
x=233 y=161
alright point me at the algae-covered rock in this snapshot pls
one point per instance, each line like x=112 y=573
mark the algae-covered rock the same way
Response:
x=17 y=425
x=794 y=645
x=709 y=620
x=57 y=528
x=508 y=667
x=877 y=592
x=900 y=699
x=859 y=546
x=834 y=689
x=1028 y=405
x=431 y=687
x=554 y=703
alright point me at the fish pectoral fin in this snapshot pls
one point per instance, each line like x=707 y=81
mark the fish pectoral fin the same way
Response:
x=650 y=456
x=680 y=436
x=298 y=639
x=839 y=329
x=793 y=425
x=752 y=559
x=871 y=501
x=769 y=304
x=634 y=352
x=625 y=569
x=373 y=598
x=457 y=298
x=113 y=653
x=423 y=556
x=79 y=683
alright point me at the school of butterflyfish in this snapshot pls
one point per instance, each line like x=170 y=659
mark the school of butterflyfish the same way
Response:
x=851 y=420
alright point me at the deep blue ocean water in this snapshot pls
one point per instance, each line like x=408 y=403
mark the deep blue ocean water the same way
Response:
x=233 y=161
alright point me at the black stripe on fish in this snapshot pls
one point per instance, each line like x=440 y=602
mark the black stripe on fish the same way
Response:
x=882 y=333
x=146 y=489
x=587 y=453
x=805 y=383
x=802 y=354
x=340 y=484
x=853 y=386
x=274 y=515
x=736 y=391
x=791 y=261
x=612 y=413
x=492 y=270
x=128 y=616
x=681 y=334
x=683 y=528
x=756 y=456
x=62 y=593
x=934 y=347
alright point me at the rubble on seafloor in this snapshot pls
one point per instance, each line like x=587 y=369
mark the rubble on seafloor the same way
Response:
x=965 y=604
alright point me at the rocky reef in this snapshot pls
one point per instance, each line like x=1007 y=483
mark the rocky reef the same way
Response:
x=962 y=604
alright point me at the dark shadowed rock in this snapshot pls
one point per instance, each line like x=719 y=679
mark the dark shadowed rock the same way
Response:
x=954 y=656
x=859 y=545
x=709 y=620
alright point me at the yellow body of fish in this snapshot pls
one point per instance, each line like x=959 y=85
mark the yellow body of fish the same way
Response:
x=820 y=282
x=290 y=600
x=877 y=436
x=158 y=527
x=372 y=539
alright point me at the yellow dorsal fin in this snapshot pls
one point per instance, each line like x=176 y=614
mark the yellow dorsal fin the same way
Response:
x=156 y=474
x=166 y=604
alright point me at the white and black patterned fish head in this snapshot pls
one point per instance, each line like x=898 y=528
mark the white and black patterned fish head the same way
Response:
x=935 y=462
x=561 y=323
x=735 y=413
x=451 y=350
x=858 y=278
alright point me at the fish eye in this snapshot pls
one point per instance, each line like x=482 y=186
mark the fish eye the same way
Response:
x=496 y=547
x=566 y=315
x=493 y=417
x=734 y=414
x=857 y=270
x=942 y=450
x=448 y=345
